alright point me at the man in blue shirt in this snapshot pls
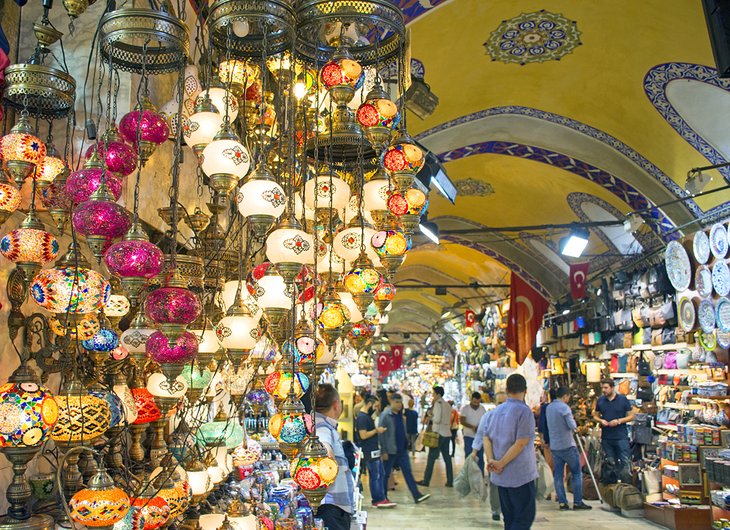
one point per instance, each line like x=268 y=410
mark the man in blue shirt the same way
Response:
x=478 y=454
x=509 y=449
x=394 y=445
x=368 y=440
x=613 y=411
x=561 y=425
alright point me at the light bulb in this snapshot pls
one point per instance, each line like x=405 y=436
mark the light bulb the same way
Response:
x=300 y=90
x=240 y=28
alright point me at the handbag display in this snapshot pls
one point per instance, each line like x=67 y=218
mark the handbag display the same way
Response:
x=431 y=439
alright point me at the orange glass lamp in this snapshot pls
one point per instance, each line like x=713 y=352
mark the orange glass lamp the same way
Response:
x=332 y=316
x=290 y=426
x=391 y=244
x=22 y=151
x=408 y=207
x=155 y=509
x=314 y=471
x=279 y=384
x=101 y=504
x=402 y=160
x=362 y=282
x=82 y=417
x=384 y=295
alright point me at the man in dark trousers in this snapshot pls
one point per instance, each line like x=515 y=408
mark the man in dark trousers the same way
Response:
x=368 y=438
x=394 y=445
x=509 y=449
x=613 y=411
x=441 y=423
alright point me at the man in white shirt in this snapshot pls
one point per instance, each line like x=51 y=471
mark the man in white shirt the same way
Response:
x=470 y=415
x=440 y=423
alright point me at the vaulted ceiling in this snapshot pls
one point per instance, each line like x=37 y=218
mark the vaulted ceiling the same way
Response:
x=554 y=112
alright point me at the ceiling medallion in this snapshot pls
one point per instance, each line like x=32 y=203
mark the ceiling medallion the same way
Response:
x=533 y=38
x=473 y=187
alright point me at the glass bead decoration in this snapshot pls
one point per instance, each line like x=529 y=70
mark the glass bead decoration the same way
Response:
x=29 y=245
x=70 y=290
x=93 y=508
x=28 y=413
x=80 y=418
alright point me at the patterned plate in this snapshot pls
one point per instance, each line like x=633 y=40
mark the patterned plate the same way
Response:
x=701 y=247
x=678 y=266
x=718 y=241
x=703 y=281
x=723 y=339
x=706 y=315
x=708 y=340
x=722 y=314
x=687 y=314
x=721 y=278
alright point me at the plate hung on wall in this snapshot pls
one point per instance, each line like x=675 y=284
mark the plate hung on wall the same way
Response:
x=723 y=339
x=701 y=247
x=703 y=281
x=679 y=268
x=706 y=315
x=687 y=314
x=722 y=314
x=721 y=278
x=718 y=240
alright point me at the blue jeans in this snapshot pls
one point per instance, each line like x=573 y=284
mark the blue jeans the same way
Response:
x=468 y=442
x=518 y=506
x=619 y=450
x=571 y=457
x=404 y=462
x=433 y=455
x=377 y=480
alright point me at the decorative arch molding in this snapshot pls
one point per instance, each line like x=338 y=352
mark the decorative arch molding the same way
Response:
x=623 y=156
x=657 y=80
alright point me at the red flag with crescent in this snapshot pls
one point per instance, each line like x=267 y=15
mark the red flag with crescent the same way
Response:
x=383 y=363
x=578 y=277
x=469 y=318
x=396 y=356
x=526 y=309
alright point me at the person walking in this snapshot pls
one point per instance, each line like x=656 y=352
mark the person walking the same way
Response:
x=561 y=426
x=470 y=416
x=478 y=449
x=370 y=445
x=509 y=449
x=411 y=423
x=441 y=423
x=613 y=411
x=394 y=445
x=454 y=427
x=338 y=504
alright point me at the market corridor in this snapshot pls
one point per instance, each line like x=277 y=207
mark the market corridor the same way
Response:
x=445 y=509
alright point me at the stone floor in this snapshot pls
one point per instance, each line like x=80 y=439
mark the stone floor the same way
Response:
x=446 y=510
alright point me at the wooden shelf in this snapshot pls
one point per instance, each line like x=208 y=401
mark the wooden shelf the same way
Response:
x=679 y=406
x=710 y=398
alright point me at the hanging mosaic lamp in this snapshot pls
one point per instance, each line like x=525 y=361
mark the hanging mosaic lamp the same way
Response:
x=155 y=509
x=28 y=411
x=135 y=260
x=361 y=334
x=224 y=102
x=391 y=244
x=280 y=384
x=147 y=410
x=119 y=156
x=9 y=198
x=184 y=350
x=21 y=150
x=81 y=184
x=408 y=207
x=261 y=200
x=100 y=504
x=81 y=416
x=104 y=340
x=173 y=308
x=314 y=471
x=100 y=220
x=289 y=247
x=144 y=128
x=384 y=295
x=348 y=241
x=378 y=116
x=304 y=348
x=238 y=331
x=290 y=426
x=51 y=166
x=402 y=160
x=225 y=160
x=70 y=290
x=202 y=126
x=362 y=281
x=30 y=246
x=332 y=316
x=326 y=191
x=134 y=338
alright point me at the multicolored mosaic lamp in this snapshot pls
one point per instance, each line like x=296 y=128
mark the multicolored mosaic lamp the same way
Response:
x=9 y=199
x=377 y=116
x=314 y=471
x=21 y=150
x=70 y=290
x=384 y=295
x=82 y=417
x=51 y=166
x=81 y=184
x=173 y=307
x=332 y=316
x=279 y=384
x=30 y=246
x=155 y=509
x=100 y=220
x=144 y=128
x=402 y=160
x=101 y=504
x=290 y=426
x=362 y=281
x=118 y=156
x=408 y=207
x=391 y=244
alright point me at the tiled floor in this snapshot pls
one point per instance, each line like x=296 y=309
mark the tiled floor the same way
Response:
x=446 y=510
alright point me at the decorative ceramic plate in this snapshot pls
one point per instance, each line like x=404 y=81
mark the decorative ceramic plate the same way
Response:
x=678 y=266
x=722 y=314
x=708 y=340
x=703 y=281
x=718 y=241
x=701 y=247
x=687 y=314
x=706 y=315
x=721 y=278
x=723 y=338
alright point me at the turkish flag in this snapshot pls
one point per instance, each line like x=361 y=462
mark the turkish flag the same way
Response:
x=469 y=318
x=396 y=356
x=578 y=277
x=526 y=309
x=383 y=363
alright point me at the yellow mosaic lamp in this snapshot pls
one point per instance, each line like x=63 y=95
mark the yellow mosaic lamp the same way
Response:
x=99 y=505
x=82 y=417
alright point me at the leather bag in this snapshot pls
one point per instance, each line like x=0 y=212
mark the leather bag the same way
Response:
x=431 y=439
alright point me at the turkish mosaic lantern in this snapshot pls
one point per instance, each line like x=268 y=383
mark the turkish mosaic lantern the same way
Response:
x=177 y=498
x=28 y=413
x=51 y=166
x=184 y=350
x=144 y=128
x=247 y=453
x=104 y=340
x=70 y=290
x=135 y=260
x=220 y=431
x=290 y=426
x=402 y=159
x=155 y=510
x=332 y=316
x=314 y=471
x=100 y=504
x=100 y=220
x=391 y=245
x=305 y=349
x=9 y=200
x=408 y=207
x=21 y=150
x=278 y=384
x=81 y=184
x=384 y=295
x=362 y=281
x=173 y=308
x=81 y=416
x=361 y=334
x=29 y=246
x=342 y=71
x=134 y=520
x=118 y=156
x=75 y=327
x=147 y=410
x=378 y=116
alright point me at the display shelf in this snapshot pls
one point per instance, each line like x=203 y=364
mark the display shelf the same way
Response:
x=679 y=406
x=710 y=398
x=623 y=375
x=682 y=371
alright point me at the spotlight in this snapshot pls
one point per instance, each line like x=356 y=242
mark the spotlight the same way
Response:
x=599 y=291
x=696 y=181
x=430 y=230
x=566 y=311
x=428 y=340
x=408 y=350
x=576 y=242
